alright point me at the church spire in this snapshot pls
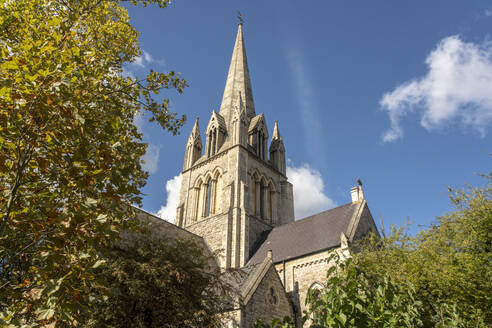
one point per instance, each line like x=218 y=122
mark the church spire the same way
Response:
x=195 y=132
x=238 y=82
x=276 y=133
x=193 y=147
x=277 y=150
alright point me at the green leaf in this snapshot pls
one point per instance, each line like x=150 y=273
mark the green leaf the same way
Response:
x=55 y=21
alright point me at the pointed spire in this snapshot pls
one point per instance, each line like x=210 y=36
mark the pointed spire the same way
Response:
x=193 y=147
x=276 y=133
x=195 y=134
x=195 y=127
x=238 y=81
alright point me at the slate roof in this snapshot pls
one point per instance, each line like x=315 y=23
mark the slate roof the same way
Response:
x=309 y=235
x=237 y=277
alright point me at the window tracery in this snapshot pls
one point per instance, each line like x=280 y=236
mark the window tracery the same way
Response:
x=207 y=196
x=262 y=198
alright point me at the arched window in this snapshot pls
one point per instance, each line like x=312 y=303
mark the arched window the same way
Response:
x=262 y=199
x=212 y=142
x=253 y=194
x=198 y=199
x=215 y=194
x=208 y=198
x=261 y=144
x=316 y=289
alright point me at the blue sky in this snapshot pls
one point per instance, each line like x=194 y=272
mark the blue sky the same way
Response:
x=396 y=93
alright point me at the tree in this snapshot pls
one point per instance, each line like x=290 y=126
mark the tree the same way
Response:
x=438 y=278
x=352 y=299
x=151 y=282
x=70 y=154
x=448 y=263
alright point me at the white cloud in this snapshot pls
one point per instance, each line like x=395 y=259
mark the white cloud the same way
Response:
x=309 y=197
x=488 y=12
x=138 y=121
x=151 y=159
x=127 y=73
x=456 y=89
x=139 y=61
x=145 y=59
x=168 y=211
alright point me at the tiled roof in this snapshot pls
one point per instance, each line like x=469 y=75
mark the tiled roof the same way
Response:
x=309 y=235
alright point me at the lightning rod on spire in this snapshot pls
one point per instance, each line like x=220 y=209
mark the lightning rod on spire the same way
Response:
x=240 y=18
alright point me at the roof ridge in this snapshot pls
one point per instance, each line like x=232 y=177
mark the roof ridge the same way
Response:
x=313 y=215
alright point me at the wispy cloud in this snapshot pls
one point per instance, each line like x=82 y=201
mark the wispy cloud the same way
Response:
x=309 y=194
x=456 y=89
x=138 y=120
x=307 y=103
x=168 y=212
x=151 y=158
x=488 y=12
x=145 y=59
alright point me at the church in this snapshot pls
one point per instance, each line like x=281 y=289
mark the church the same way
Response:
x=236 y=200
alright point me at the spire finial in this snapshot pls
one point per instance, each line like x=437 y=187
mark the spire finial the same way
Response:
x=276 y=133
x=196 y=130
x=240 y=19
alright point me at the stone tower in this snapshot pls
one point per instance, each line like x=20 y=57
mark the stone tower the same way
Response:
x=237 y=190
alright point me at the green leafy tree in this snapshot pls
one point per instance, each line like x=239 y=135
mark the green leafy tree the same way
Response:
x=448 y=264
x=70 y=154
x=352 y=299
x=285 y=322
x=150 y=282
x=441 y=277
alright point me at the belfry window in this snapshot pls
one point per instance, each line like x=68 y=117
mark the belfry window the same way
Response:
x=260 y=144
x=212 y=142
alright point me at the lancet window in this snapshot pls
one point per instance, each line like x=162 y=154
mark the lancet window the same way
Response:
x=262 y=198
x=212 y=142
x=261 y=144
x=206 y=197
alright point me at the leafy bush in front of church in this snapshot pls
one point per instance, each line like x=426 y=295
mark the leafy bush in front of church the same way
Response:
x=149 y=282
x=351 y=298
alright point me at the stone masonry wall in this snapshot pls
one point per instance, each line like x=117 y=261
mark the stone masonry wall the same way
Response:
x=257 y=229
x=214 y=232
x=304 y=273
x=366 y=224
x=262 y=304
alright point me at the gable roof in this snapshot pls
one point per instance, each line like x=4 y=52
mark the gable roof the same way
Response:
x=255 y=121
x=309 y=235
x=245 y=280
x=220 y=121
